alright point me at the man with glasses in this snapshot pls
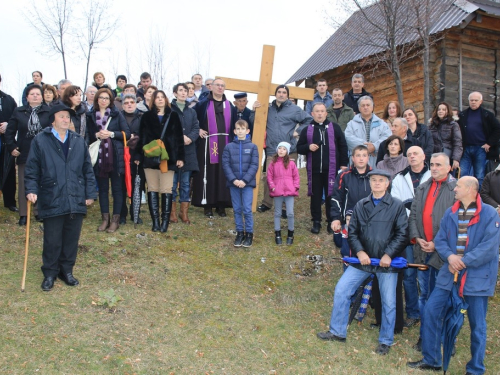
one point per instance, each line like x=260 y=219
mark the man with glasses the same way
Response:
x=216 y=116
x=89 y=97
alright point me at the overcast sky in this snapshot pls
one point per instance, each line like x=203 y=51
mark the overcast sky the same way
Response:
x=216 y=37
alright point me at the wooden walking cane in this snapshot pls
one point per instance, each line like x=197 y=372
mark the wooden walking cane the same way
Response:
x=26 y=246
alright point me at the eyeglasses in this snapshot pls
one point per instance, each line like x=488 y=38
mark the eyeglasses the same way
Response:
x=218 y=85
x=105 y=98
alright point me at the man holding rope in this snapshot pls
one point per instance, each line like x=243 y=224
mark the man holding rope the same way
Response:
x=60 y=173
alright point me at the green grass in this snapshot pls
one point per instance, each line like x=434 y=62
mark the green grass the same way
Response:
x=191 y=304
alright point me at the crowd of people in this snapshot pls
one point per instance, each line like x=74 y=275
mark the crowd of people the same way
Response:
x=391 y=186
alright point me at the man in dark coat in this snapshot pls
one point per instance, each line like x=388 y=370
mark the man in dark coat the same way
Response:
x=216 y=115
x=490 y=193
x=60 y=173
x=7 y=165
x=378 y=229
x=480 y=137
x=242 y=111
x=326 y=149
x=352 y=96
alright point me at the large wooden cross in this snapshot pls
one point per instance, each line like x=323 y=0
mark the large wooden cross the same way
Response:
x=264 y=88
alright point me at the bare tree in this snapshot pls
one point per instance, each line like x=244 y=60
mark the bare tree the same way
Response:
x=156 y=57
x=51 y=20
x=98 y=25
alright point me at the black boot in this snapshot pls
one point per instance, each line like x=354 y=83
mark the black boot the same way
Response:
x=154 y=210
x=166 y=207
x=329 y=227
x=316 y=227
x=247 y=242
x=277 y=237
x=289 y=239
x=238 y=241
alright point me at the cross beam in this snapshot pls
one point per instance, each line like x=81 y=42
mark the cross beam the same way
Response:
x=264 y=88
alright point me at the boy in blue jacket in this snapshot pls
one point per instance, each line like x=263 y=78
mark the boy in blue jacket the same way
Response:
x=240 y=162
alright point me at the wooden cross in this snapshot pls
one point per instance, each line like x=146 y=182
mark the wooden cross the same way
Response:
x=264 y=88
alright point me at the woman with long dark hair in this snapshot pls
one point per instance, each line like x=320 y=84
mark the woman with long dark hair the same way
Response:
x=159 y=182
x=394 y=160
x=106 y=124
x=26 y=122
x=446 y=134
x=420 y=132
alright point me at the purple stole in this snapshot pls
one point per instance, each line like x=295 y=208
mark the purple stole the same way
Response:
x=212 y=129
x=332 y=166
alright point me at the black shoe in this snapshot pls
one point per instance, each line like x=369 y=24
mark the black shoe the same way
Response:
x=382 y=349
x=374 y=325
x=238 y=241
x=47 y=283
x=13 y=208
x=423 y=366
x=329 y=228
x=247 y=241
x=328 y=336
x=22 y=220
x=283 y=214
x=221 y=211
x=263 y=208
x=208 y=212
x=68 y=279
x=123 y=220
x=418 y=345
x=316 y=227
x=410 y=322
x=166 y=208
x=37 y=218
x=277 y=237
x=289 y=239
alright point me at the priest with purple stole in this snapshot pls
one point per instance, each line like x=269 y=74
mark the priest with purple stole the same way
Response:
x=216 y=116
x=324 y=145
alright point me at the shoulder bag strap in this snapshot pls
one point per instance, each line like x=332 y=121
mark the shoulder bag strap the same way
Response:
x=165 y=127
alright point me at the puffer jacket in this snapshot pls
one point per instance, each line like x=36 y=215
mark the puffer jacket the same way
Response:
x=346 y=115
x=283 y=182
x=327 y=101
x=240 y=161
x=379 y=230
x=61 y=183
x=116 y=125
x=481 y=252
x=444 y=200
x=281 y=123
x=355 y=134
x=16 y=135
x=402 y=186
x=447 y=135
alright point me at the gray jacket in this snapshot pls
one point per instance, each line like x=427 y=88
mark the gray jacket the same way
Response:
x=281 y=123
x=445 y=200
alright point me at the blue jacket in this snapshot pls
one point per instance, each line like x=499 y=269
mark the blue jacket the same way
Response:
x=481 y=252
x=240 y=161
x=327 y=100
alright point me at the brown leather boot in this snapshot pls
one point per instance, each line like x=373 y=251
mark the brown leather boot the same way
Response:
x=184 y=212
x=115 y=224
x=173 y=213
x=105 y=223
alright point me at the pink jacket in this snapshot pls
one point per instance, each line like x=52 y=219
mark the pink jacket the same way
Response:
x=283 y=181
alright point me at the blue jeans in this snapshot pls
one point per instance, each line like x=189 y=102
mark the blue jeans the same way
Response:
x=242 y=207
x=427 y=282
x=434 y=316
x=345 y=289
x=410 y=287
x=474 y=158
x=183 y=182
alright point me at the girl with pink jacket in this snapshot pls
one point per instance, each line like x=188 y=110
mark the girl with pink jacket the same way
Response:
x=284 y=183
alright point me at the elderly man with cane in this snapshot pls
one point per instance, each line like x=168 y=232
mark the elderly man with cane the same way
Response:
x=60 y=176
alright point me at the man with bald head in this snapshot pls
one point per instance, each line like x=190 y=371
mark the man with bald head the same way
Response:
x=404 y=185
x=399 y=127
x=480 y=137
x=468 y=240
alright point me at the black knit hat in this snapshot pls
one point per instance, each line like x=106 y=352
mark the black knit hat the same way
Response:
x=282 y=87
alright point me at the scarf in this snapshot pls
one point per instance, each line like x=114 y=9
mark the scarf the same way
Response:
x=106 y=146
x=212 y=129
x=34 y=126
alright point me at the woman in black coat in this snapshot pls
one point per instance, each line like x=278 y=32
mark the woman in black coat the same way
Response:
x=420 y=132
x=26 y=122
x=72 y=97
x=152 y=124
x=106 y=124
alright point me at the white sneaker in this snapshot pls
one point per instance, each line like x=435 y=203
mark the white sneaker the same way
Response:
x=143 y=198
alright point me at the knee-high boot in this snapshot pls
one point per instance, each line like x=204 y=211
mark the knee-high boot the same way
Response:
x=154 y=210
x=166 y=206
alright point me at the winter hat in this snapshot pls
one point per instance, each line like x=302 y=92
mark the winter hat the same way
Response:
x=282 y=87
x=285 y=145
x=59 y=108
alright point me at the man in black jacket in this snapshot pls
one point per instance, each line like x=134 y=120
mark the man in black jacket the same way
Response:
x=378 y=229
x=7 y=165
x=480 y=137
x=352 y=96
x=60 y=173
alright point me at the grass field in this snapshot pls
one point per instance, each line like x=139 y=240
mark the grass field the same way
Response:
x=191 y=303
